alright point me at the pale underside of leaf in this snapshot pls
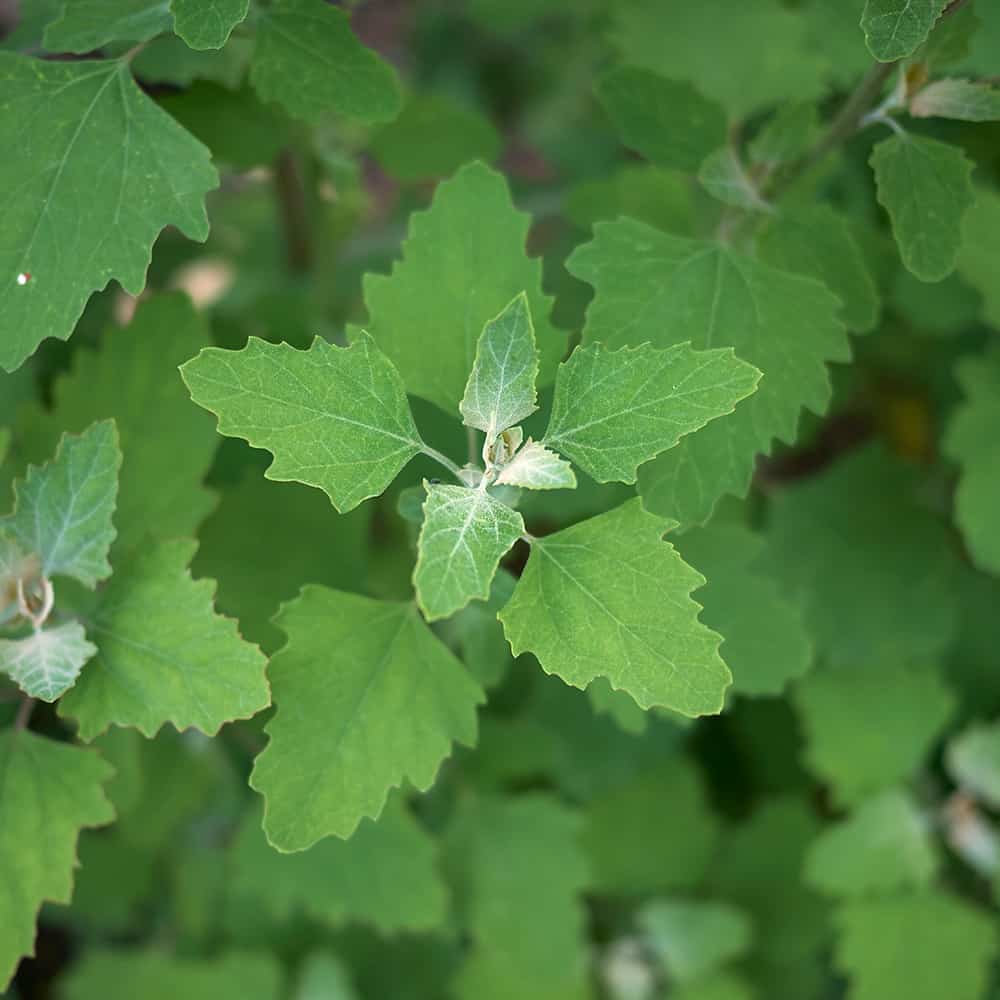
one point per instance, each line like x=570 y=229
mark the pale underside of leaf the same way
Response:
x=46 y=663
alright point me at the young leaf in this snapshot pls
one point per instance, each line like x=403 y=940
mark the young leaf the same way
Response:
x=614 y=410
x=385 y=875
x=961 y=99
x=336 y=418
x=973 y=761
x=430 y=327
x=47 y=662
x=694 y=938
x=860 y=741
x=723 y=176
x=654 y=287
x=923 y=946
x=48 y=791
x=895 y=29
x=972 y=441
x=521 y=874
x=308 y=60
x=534 y=467
x=610 y=598
x=163 y=654
x=155 y=975
x=367 y=696
x=70 y=222
x=207 y=24
x=167 y=444
x=501 y=388
x=925 y=187
x=765 y=641
x=462 y=540
x=814 y=241
x=63 y=509
x=86 y=25
x=668 y=121
x=882 y=847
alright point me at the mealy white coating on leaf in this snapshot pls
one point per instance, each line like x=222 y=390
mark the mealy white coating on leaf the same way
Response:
x=46 y=663
x=961 y=99
x=501 y=388
x=536 y=467
x=63 y=509
x=464 y=535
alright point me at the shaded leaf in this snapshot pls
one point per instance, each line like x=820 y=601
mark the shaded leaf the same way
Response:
x=895 y=29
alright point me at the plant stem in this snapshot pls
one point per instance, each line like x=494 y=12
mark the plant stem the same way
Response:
x=291 y=197
x=443 y=460
x=24 y=714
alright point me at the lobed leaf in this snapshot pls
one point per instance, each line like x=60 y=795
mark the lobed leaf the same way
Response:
x=46 y=663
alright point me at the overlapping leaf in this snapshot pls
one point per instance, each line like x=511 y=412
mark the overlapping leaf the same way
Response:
x=47 y=662
x=895 y=29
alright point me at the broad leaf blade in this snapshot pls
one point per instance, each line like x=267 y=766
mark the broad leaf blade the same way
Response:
x=308 y=60
x=668 y=121
x=335 y=418
x=207 y=24
x=48 y=791
x=46 y=663
x=465 y=534
x=63 y=509
x=614 y=410
x=70 y=217
x=429 y=327
x=501 y=388
x=535 y=467
x=610 y=598
x=164 y=655
x=662 y=289
x=925 y=187
x=86 y=25
x=367 y=696
x=895 y=29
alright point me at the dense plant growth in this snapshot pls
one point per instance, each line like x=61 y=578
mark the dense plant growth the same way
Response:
x=500 y=499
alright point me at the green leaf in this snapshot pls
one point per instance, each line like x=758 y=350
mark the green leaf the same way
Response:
x=154 y=975
x=718 y=986
x=85 y=25
x=167 y=444
x=742 y=73
x=336 y=418
x=521 y=874
x=971 y=440
x=815 y=241
x=48 y=791
x=480 y=637
x=614 y=410
x=923 y=946
x=385 y=875
x=207 y=24
x=883 y=846
x=667 y=290
x=895 y=29
x=164 y=655
x=786 y=136
x=854 y=543
x=501 y=388
x=694 y=938
x=168 y=59
x=308 y=60
x=973 y=761
x=869 y=727
x=462 y=540
x=651 y=832
x=63 y=509
x=323 y=977
x=981 y=250
x=668 y=121
x=70 y=215
x=47 y=662
x=367 y=697
x=925 y=187
x=534 y=467
x=765 y=643
x=723 y=176
x=474 y=237
x=432 y=137
x=609 y=598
